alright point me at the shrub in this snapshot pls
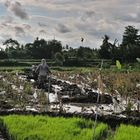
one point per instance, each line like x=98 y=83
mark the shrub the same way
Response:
x=59 y=58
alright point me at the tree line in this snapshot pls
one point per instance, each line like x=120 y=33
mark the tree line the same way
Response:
x=127 y=51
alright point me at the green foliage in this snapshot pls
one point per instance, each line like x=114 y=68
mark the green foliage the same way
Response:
x=43 y=49
x=136 y=66
x=13 y=49
x=105 y=48
x=130 y=36
x=39 y=49
x=118 y=64
x=44 y=127
x=28 y=88
x=106 y=65
x=127 y=132
x=129 y=107
x=59 y=128
x=11 y=43
x=3 y=55
x=59 y=59
x=85 y=53
x=7 y=62
x=14 y=69
x=130 y=47
x=128 y=51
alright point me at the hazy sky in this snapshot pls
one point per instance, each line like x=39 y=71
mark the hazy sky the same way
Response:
x=67 y=20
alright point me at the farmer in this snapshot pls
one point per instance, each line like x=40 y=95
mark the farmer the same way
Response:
x=43 y=71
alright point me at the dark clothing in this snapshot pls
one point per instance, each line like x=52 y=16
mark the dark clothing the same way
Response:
x=43 y=70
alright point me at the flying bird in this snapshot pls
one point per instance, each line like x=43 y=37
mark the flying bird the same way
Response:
x=82 y=39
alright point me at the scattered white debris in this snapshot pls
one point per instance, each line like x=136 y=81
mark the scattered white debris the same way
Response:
x=2 y=92
x=13 y=87
x=88 y=78
x=73 y=109
x=106 y=93
x=122 y=116
x=14 y=109
x=94 y=90
x=82 y=88
x=29 y=108
x=16 y=73
x=56 y=88
x=138 y=86
x=65 y=96
x=1 y=76
x=21 y=87
x=32 y=80
x=22 y=77
x=35 y=94
x=53 y=98
x=71 y=77
x=68 y=82
x=95 y=80
x=4 y=79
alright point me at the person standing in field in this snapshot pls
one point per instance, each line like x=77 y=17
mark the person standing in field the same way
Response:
x=43 y=71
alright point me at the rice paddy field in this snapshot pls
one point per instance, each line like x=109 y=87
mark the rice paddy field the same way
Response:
x=127 y=132
x=21 y=127
x=48 y=128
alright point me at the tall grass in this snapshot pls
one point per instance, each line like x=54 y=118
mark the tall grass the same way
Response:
x=48 y=128
x=127 y=132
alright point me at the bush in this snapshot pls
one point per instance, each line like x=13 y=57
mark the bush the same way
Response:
x=106 y=65
x=59 y=59
x=3 y=55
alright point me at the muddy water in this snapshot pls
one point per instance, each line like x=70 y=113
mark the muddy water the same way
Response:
x=77 y=98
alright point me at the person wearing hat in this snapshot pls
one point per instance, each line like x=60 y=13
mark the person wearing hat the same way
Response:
x=43 y=71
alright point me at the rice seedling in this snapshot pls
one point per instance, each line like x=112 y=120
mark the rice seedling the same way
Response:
x=127 y=132
x=48 y=128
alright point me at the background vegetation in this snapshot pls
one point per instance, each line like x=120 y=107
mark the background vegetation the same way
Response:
x=127 y=51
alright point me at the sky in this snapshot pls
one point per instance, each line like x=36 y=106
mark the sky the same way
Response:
x=67 y=20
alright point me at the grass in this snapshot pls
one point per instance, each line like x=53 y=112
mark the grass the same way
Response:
x=13 y=68
x=48 y=128
x=127 y=132
x=113 y=69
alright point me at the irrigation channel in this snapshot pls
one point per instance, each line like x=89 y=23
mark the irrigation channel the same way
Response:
x=61 y=98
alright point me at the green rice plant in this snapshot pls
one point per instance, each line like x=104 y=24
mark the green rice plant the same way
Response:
x=127 y=132
x=51 y=128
